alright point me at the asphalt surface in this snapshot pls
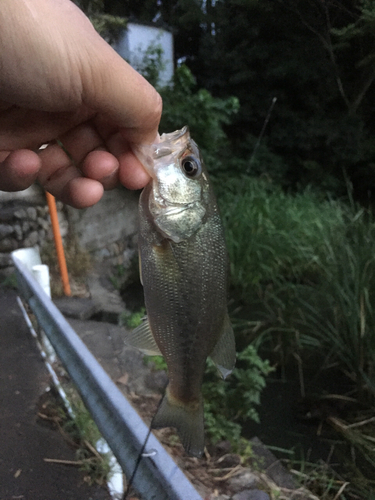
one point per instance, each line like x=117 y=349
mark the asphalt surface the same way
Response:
x=25 y=441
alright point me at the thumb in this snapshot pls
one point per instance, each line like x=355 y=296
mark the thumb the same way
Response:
x=113 y=88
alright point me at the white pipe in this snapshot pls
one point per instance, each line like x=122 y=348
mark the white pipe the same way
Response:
x=41 y=274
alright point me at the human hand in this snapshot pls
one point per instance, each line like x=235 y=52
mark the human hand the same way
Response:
x=60 y=80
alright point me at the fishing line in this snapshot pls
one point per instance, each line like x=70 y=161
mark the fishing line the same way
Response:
x=142 y=453
x=261 y=133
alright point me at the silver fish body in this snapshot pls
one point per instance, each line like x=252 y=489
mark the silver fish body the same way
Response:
x=184 y=275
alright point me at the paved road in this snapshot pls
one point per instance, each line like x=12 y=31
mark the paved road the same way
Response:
x=24 y=442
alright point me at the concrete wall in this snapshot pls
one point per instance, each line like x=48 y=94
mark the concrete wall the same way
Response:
x=108 y=230
x=33 y=195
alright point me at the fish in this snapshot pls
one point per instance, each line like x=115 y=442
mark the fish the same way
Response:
x=184 y=270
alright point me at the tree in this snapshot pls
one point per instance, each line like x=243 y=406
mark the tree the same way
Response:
x=108 y=25
x=341 y=29
x=315 y=56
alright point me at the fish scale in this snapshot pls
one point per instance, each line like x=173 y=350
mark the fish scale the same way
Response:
x=184 y=275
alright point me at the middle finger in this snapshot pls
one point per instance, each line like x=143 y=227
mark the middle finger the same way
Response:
x=79 y=144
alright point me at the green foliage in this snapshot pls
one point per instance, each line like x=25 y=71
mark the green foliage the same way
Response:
x=272 y=235
x=9 y=281
x=155 y=362
x=218 y=427
x=305 y=267
x=82 y=427
x=185 y=103
x=96 y=467
x=117 y=276
x=152 y=64
x=340 y=311
x=229 y=402
x=86 y=435
x=109 y=26
x=259 y=161
x=309 y=266
x=132 y=320
x=363 y=24
x=255 y=51
x=79 y=263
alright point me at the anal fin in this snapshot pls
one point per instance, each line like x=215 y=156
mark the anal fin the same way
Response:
x=224 y=352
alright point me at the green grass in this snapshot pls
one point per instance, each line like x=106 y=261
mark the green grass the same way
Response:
x=132 y=320
x=85 y=434
x=341 y=311
x=305 y=267
x=272 y=235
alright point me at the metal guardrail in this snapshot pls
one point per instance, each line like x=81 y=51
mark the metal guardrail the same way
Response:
x=157 y=477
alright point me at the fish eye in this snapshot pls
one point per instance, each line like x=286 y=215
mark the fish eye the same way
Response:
x=191 y=166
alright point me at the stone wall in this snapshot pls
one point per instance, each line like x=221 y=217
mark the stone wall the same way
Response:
x=108 y=230
x=25 y=222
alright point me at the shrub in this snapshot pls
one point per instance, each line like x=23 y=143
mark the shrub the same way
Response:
x=230 y=402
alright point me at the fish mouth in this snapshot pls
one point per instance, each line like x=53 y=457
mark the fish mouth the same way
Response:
x=171 y=143
x=168 y=142
x=165 y=145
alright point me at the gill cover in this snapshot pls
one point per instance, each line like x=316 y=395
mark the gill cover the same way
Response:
x=180 y=186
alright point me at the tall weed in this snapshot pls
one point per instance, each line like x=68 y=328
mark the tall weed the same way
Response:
x=341 y=312
x=306 y=267
x=273 y=236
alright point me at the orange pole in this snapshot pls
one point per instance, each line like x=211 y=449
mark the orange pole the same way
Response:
x=58 y=243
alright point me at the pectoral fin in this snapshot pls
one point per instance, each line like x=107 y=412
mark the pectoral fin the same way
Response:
x=224 y=352
x=141 y=338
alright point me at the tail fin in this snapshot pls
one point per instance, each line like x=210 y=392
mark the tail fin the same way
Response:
x=187 y=419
